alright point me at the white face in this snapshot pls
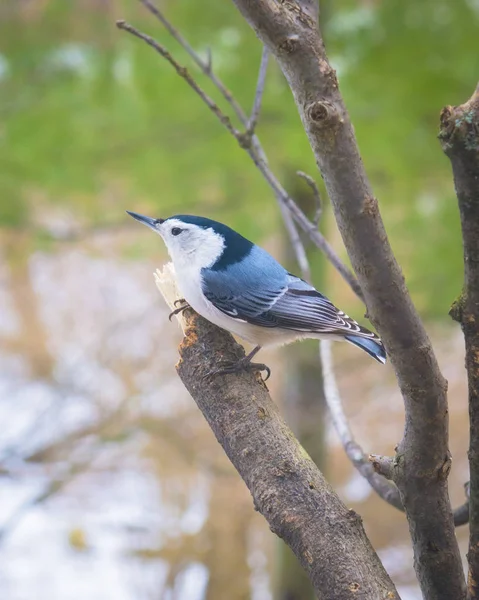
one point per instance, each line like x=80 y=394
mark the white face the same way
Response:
x=189 y=245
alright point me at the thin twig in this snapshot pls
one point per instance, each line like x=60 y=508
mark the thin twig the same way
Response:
x=249 y=143
x=183 y=73
x=317 y=196
x=209 y=60
x=384 y=465
x=205 y=66
x=253 y=120
x=296 y=243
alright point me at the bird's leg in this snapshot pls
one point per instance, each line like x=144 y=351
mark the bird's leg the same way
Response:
x=244 y=364
x=184 y=306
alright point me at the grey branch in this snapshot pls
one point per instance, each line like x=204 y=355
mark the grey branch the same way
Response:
x=253 y=120
x=383 y=465
x=205 y=66
x=296 y=243
x=294 y=39
x=286 y=486
x=183 y=73
x=250 y=143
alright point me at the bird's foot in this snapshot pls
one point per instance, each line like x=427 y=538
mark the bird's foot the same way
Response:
x=227 y=368
x=184 y=306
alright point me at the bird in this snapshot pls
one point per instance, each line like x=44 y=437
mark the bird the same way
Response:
x=235 y=284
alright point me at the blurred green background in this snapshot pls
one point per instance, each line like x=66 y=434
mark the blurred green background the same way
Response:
x=93 y=122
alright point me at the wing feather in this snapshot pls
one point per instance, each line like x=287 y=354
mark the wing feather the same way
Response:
x=287 y=302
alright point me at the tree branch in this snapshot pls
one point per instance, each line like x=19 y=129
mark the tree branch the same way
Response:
x=296 y=243
x=287 y=488
x=183 y=73
x=258 y=97
x=293 y=37
x=459 y=136
x=205 y=66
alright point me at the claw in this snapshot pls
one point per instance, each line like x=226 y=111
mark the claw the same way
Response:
x=236 y=367
x=180 y=309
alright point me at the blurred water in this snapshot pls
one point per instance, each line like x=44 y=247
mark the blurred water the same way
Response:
x=111 y=484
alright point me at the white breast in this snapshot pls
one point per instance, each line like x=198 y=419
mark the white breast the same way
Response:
x=189 y=283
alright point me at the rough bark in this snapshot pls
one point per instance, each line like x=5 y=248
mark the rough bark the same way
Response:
x=459 y=137
x=292 y=36
x=287 y=488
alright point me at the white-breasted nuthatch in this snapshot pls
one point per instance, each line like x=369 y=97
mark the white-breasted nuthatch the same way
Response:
x=240 y=287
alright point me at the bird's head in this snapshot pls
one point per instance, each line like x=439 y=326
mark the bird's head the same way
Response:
x=198 y=242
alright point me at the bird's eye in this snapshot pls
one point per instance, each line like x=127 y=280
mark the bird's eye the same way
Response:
x=176 y=231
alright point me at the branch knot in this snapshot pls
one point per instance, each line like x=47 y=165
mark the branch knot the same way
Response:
x=323 y=113
x=289 y=44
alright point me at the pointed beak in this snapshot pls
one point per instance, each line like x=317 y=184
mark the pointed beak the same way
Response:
x=148 y=221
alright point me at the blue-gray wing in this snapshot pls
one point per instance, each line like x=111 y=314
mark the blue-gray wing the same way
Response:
x=272 y=297
x=246 y=290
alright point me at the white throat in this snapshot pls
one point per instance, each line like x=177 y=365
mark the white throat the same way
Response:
x=202 y=252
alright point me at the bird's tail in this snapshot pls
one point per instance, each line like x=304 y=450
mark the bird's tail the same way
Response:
x=374 y=347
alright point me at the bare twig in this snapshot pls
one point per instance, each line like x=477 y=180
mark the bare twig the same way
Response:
x=248 y=142
x=296 y=243
x=205 y=66
x=183 y=73
x=209 y=60
x=317 y=196
x=382 y=464
x=376 y=469
x=253 y=120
